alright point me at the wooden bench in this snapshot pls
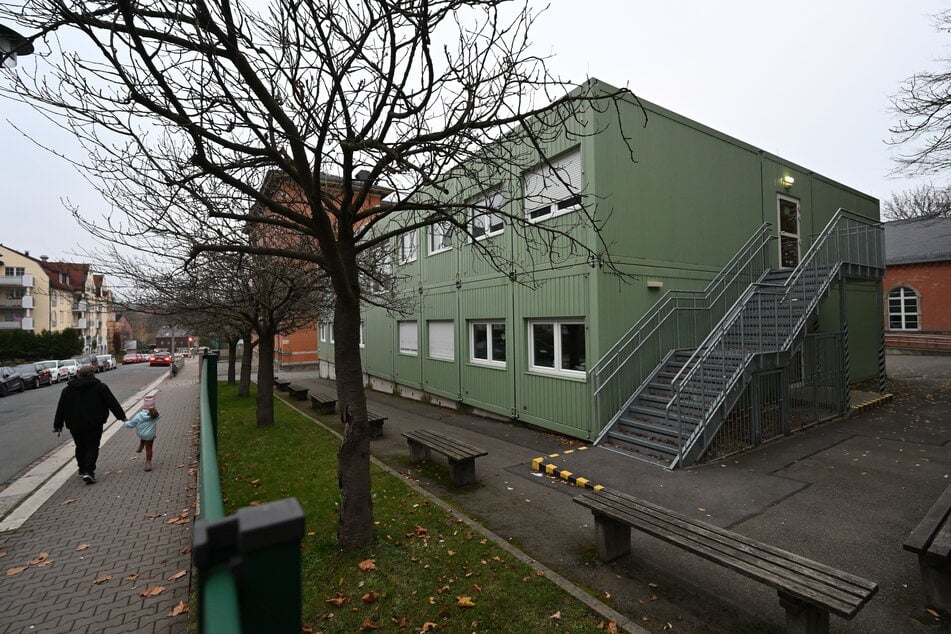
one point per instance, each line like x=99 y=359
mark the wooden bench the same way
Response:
x=461 y=455
x=323 y=403
x=808 y=591
x=376 y=424
x=282 y=384
x=931 y=541
x=297 y=392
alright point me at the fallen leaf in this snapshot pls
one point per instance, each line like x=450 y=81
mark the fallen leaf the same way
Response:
x=429 y=626
x=39 y=559
x=254 y=503
x=401 y=622
x=181 y=608
x=556 y=615
x=930 y=611
x=152 y=591
x=178 y=575
x=607 y=595
x=102 y=579
x=16 y=571
x=186 y=550
x=2 y=554
x=368 y=625
x=477 y=587
x=370 y=597
x=338 y=600
x=132 y=577
x=367 y=564
x=465 y=602
x=67 y=501
x=152 y=516
x=255 y=482
x=44 y=563
x=82 y=546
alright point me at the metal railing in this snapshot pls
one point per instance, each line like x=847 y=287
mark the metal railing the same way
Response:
x=249 y=562
x=764 y=320
x=679 y=319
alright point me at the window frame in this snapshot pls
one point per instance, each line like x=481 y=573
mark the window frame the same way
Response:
x=399 y=337
x=448 y=228
x=557 y=370
x=489 y=361
x=905 y=293
x=322 y=332
x=408 y=253
x=452 y=339
x=494 y=200
x=555 y=207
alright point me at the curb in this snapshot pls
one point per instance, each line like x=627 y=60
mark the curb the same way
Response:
x=604 y=611
x=550 y=468
x=875 y=402
x=26 y=494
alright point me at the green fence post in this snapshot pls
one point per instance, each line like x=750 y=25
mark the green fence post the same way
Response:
x=269 y=538
x=210 y=377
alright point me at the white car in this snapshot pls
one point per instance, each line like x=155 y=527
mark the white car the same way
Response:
x=70 y=366
x=58 y=372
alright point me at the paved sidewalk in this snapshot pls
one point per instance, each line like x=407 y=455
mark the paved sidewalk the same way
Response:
x=90 y=551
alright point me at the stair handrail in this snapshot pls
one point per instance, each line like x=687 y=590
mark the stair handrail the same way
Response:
x=795 y=293
x=650 y=325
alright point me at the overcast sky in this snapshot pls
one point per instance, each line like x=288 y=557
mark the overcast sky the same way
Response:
x=808 y=81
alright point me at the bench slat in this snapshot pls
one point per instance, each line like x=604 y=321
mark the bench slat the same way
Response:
x=920 y=538
x=840 y=592
x=941 y=544
x=451 y=448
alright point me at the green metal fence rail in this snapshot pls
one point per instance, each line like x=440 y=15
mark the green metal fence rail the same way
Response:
x=249 y=567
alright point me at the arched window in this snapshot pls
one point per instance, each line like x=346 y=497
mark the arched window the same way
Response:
x=902 y=309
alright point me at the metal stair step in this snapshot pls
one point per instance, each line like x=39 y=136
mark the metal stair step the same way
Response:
x=649 y=446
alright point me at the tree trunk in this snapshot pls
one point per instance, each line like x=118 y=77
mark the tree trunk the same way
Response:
x=246 y=363
x=232 y=359
x=353 y=461
x=266 y=380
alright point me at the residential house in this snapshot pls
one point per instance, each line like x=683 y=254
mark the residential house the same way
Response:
x=183 y=339
x=24 y=289
x=79 y=299
x=747 y=306
x=918 y=284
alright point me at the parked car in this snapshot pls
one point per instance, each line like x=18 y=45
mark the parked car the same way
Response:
x=105 y=362
x=161 y=358
x=70 y=366
x=33 y=374
x=86 y=360
x=57 y=371
x=131 y=357
x=10 y=381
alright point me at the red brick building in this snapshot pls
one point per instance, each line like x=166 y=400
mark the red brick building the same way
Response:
x=301 y=348
x=917 y=284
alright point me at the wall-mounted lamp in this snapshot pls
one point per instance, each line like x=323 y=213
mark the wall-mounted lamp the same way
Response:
x=655 y=284
x=11 y=45
x=787 y=182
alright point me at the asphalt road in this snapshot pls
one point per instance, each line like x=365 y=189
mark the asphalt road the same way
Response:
x=26 y=420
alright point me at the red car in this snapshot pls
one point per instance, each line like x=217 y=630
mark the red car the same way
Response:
x=132 y=357
x=161 y=358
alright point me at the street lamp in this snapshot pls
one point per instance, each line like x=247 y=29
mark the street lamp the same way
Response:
x=11 y=45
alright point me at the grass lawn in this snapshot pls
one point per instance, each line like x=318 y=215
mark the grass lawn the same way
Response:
x=429 y=571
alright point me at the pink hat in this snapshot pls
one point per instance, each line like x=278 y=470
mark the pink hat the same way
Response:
x=150 y=401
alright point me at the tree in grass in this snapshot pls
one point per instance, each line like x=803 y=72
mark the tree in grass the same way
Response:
x=186 y=107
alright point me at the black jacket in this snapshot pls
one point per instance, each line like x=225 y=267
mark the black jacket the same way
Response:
x=85 y=403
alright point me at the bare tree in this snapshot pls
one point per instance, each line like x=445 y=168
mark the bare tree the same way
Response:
x=923 y=106
x=923 y=201
x=185 y=107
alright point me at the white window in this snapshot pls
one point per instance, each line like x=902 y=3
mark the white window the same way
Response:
x=557 y=347
x=553 y=188
x=442 y=341
x=407 y=247
x=53 y=299
x=14 y=271
x=486 y=223
x=903 y=309
x=53 y=319
x=440 y=237
x=409 y=338
x=330 y=331
x=322 y=329
x=487 y=342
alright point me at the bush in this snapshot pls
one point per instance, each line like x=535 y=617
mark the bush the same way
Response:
x=20 y=346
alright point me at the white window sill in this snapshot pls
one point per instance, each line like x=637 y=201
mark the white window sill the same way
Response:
x=482 y=363
x=572 y=375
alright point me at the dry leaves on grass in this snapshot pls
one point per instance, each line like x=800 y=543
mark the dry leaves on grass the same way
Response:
x=181 y=608
x=178 y=575
x=152 y=591
x=337 y=601
x=102 y=579
x=609 y=626
x=429 y=626
x=465 y=602
x=370 y=597
x=368 y=625
x=367 y=564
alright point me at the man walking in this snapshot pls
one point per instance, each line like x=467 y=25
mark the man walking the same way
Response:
x=84 y=406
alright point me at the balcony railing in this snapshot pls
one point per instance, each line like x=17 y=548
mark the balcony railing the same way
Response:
x=79 y=324
x=27 y=301
x=24 y=281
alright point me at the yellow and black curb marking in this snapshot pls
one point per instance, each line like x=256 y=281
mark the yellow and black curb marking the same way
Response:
x=875 y=402
x=550 y=468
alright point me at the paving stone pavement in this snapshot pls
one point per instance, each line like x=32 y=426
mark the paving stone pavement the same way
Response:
x=106 y=543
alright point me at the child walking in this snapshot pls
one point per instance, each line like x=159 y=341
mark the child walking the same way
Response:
x=145 y=423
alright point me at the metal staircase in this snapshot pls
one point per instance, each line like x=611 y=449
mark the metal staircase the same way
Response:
x=673 y=414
